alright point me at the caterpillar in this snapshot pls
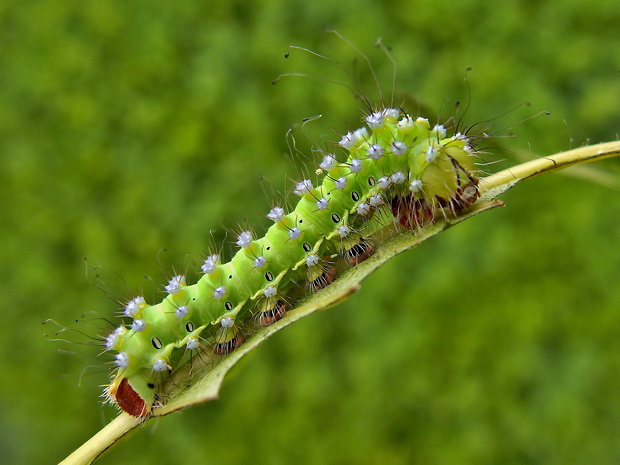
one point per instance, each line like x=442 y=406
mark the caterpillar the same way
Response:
x=395 y=172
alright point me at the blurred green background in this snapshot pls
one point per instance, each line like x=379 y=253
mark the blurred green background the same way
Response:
x=128 y=127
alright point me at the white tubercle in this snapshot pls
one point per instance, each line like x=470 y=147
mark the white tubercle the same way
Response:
x=122 y=360
x=344 y=231
x=244 y=240
x=375 y=200
x=347 y=141
x=329 y=162
x=160 y=365
x=356 y=165
x=114 y=338
x=260 y=262
x=375 y=120
x=219 y=292
x=405 y=124
x=138 y=325
x=182 y=311
x=294 y=233
x=415 y=185
x=227 y=322
x=276 y=214
x=210 y=264
x=431 y=154
x=341 y=182
x=398 y=147
x=363 y=209
x=384 y=182
x=270 y=291
x=304 y=187
x=397 y=177
x=440 y=130
x=392 y=113
x=351 y=139
x=322 y=204
x=134 y=306
x=193 y=343
x=360 y=134
x=312 y=260
x=375 y=151
x=175 y=285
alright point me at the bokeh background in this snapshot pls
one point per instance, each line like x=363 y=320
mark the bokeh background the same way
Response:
x=128 y=127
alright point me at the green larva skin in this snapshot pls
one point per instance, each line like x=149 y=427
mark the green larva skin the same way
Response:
x=398 y=170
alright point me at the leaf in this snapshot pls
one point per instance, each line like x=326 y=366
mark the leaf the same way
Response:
x=211 y=372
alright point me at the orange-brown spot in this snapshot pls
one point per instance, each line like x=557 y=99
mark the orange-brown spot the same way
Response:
x=129 y=400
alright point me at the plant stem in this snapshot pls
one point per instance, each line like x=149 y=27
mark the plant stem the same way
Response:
x=104 y=439
x=498 y=183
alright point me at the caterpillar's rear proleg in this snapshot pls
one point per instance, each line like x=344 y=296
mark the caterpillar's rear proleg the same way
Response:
x=464 y=197
x=128 y=399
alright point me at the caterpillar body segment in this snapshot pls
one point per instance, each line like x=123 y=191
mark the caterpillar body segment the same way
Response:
x=398 y=170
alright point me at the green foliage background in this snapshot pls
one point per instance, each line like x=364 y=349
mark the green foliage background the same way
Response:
x=130 y=126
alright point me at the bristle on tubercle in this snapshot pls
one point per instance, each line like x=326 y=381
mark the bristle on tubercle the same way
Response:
x=395 y=172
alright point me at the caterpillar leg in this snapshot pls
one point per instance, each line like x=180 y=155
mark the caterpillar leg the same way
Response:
x=359 y=252
x=272 y=313
x=228 y=338
x=464 y=197
x=326 y=276
x=411 y=212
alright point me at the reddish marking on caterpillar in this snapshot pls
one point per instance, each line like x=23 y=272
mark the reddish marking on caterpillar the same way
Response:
x=129 y=400
x=411 y=212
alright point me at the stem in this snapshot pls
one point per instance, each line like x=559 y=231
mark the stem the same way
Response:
x=498 y=183
x=104 y=439
x=208 y=387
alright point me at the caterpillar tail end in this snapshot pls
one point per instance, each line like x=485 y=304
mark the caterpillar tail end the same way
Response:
x=127 y=398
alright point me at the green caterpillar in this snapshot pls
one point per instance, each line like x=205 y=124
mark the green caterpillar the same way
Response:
x=398 y=171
